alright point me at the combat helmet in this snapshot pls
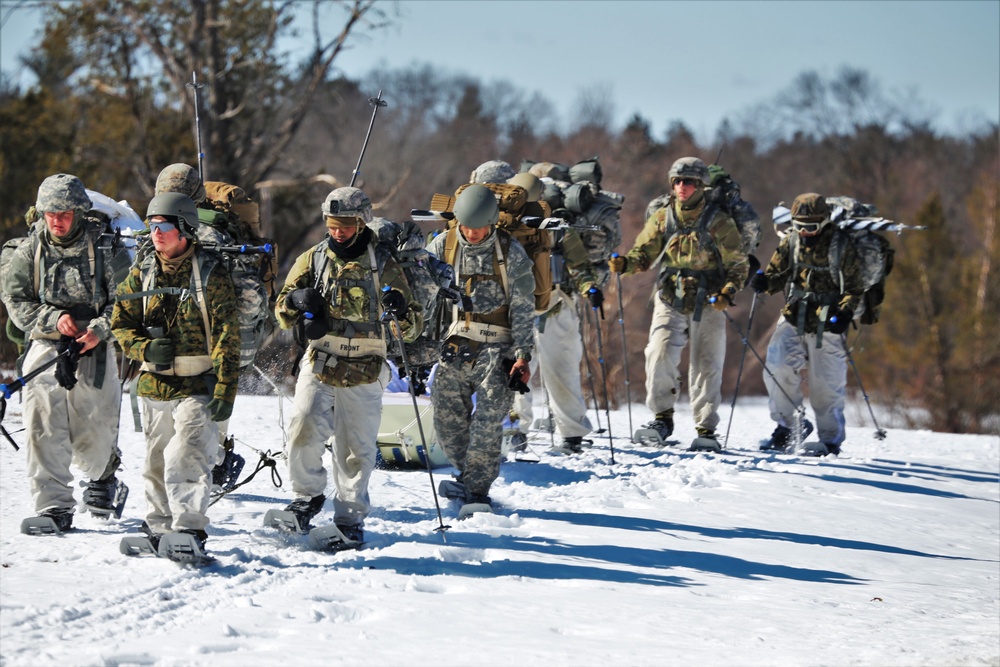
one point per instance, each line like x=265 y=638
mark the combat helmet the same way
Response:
x=175 y=206
x=531 y=183
x=493 y=171
x=810 y=213
x=182 y=178
x=62 y=192
x=476 y=207
x=348 y=203
x=689 y=167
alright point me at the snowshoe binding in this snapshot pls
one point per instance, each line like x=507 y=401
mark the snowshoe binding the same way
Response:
x=657 y=432
x=452 y=489
x=226 y=475
x=103 y=498
x=338 y=537
x=705 y=442
x=49 y=522
x=296 y=516
x=782 y=438
x=571 y=445
x=475 y=503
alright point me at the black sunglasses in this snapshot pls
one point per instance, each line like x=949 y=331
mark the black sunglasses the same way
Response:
x=685 y=181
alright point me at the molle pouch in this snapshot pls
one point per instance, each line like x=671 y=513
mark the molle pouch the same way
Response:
x=353 y=372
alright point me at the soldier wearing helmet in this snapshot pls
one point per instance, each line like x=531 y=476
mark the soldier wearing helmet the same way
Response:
x=488 y=342
x=333 y=298
x=59 y=289
x=822 y=294
x=698 y=248
x=176 y=316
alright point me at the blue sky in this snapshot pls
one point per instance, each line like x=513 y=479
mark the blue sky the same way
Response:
x=698 y=62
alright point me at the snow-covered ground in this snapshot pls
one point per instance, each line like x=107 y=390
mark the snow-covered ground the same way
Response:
x=888 y=555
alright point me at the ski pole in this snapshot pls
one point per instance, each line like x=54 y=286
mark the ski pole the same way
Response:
x=8 y=390
x=590 y=380
x=376 y=102
x=197 y=122
x=397 y=332
x=739 y=373
x=621 y=325
x=604 y=376
x=800 y=410
x=879 y=432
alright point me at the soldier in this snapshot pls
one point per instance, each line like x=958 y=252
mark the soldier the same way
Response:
x=703 y=264
x=557 y=337
x=176 y=314
x=819 y=298
x=487 y=345
x=58 y=288
x=333 y=296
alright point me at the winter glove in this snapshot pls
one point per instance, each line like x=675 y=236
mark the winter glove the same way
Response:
x=394 y=303
x=307 y=300
x=724 y=298
x=220 y=409
x=759 y=282
x=69 y=351
x=596 y=297
x=160 y=351
x=618 y=264
x=839 y=320
x=514 y=382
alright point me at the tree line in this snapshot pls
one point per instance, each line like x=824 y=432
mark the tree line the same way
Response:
x=114 y=103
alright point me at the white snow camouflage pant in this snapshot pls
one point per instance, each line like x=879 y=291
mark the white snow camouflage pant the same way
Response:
x=669 y=332
x=78 y=426
x=558 y=351
x=351 y=416
x=181 y=445
x=788 y=354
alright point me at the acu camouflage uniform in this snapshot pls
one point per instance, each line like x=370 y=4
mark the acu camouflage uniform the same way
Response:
x=45 y=278
x=812 y=288
x=473 y=440
x=701 y=254
x=182 y=439
x=342 y=375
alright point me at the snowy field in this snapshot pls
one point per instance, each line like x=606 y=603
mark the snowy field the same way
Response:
x=888 y=555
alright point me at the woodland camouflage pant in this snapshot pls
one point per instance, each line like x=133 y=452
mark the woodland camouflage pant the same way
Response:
x=472 y=440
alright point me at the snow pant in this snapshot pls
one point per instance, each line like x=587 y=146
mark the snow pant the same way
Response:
x=558 y=352
x=78 y=427
x=181 y=444
x=472 y=439
x=669 y=332
x=351 y=415
x=788 y=354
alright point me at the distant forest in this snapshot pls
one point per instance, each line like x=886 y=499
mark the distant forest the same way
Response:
x=113 y=106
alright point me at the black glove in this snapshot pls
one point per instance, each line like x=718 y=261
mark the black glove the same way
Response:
x=418 y=379
x=160 y=351
x=68 y=362
x=759 y=282
x=839 y=320
x=513 y=381
x=394 y=303
x=596 y=297
x=307 y=300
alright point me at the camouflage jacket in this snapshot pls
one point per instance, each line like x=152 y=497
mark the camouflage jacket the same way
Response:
x=183 y=322
x=580 y=273
x=703 y=253
x=476 y=276
x=603 y=234
x=805 y=274
x=353 y=306
x=44 y=280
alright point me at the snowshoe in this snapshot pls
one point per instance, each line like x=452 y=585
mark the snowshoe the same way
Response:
x=782 y=437
x=514 y=440
x=705 y=442
x=104 y=498
x=818 y=449
x=656 y=432
x=51 y=522
x=475 y=503
x=569 y=446
x=186 y=546
x=138 y=545
x=296 y=516
x=337 y=537
x=226 y=475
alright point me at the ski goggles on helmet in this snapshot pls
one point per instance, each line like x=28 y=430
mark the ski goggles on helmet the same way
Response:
x=808 y=228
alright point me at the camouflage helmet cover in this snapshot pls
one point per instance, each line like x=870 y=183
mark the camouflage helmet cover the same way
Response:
x=553 y=170
x=586 y=171
x=175 y=205
x=494 y=171
x=62 y=192
x=810 y=207
x=182 y=178
x=689 y=167
x=348 y=203
x=476 y=207
x=531 y=183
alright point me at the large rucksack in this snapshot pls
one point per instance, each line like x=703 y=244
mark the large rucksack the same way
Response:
x=724 y=194
x=857 y=224
x=514 y=206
